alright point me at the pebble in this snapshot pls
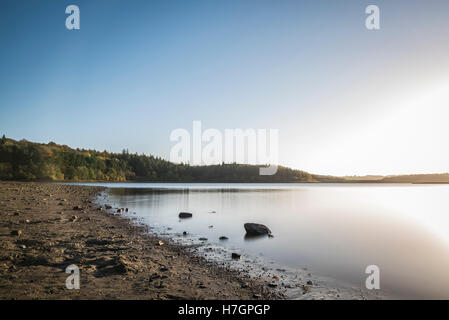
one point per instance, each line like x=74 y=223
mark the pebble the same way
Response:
x=16 y=232
x=236 y=256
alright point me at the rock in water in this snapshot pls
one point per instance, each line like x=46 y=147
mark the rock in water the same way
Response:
x=235 y=256
x=256 y=229
x=185 y=215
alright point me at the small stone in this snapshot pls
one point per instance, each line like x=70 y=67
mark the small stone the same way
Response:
x=222 y=238
x=306 y=289
x=203 y=239
x=236 y=256
x=16 y=232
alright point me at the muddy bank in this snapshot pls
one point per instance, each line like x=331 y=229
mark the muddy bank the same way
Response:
x=46 y=227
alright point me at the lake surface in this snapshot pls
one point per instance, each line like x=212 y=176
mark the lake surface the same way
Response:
x=333 y=231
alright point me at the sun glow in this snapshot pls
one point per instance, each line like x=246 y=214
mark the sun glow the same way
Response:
x=408 y=135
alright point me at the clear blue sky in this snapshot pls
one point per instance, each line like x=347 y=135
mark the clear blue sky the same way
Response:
x=343 y=97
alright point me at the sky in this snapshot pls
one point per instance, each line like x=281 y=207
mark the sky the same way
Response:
x=346 y=100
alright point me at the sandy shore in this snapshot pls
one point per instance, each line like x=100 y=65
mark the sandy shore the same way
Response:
x=46 y=227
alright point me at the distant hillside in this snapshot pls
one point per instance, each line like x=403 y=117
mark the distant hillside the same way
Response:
x=418 y=178
x=364 y=178
x=24 y=160
x=412 y=178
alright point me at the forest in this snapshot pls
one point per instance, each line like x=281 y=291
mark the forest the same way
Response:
x=28 y=161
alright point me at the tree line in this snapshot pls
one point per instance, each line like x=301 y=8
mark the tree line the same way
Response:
x=28 y=161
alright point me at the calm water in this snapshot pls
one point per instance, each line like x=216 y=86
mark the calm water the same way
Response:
x=334 y=231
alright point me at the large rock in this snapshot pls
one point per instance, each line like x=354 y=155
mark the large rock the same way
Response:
x=255 y=229
x=185 y=215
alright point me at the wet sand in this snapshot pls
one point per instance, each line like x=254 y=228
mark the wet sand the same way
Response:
x=46 y=227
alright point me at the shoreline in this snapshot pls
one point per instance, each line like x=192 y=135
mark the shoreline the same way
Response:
x=234 y=182
x=292 y=282
x=45 y=227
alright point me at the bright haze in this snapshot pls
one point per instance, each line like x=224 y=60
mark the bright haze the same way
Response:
x=346 y=100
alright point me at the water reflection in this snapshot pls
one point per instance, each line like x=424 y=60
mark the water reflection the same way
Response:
x=333 y=230
x=253 y=237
